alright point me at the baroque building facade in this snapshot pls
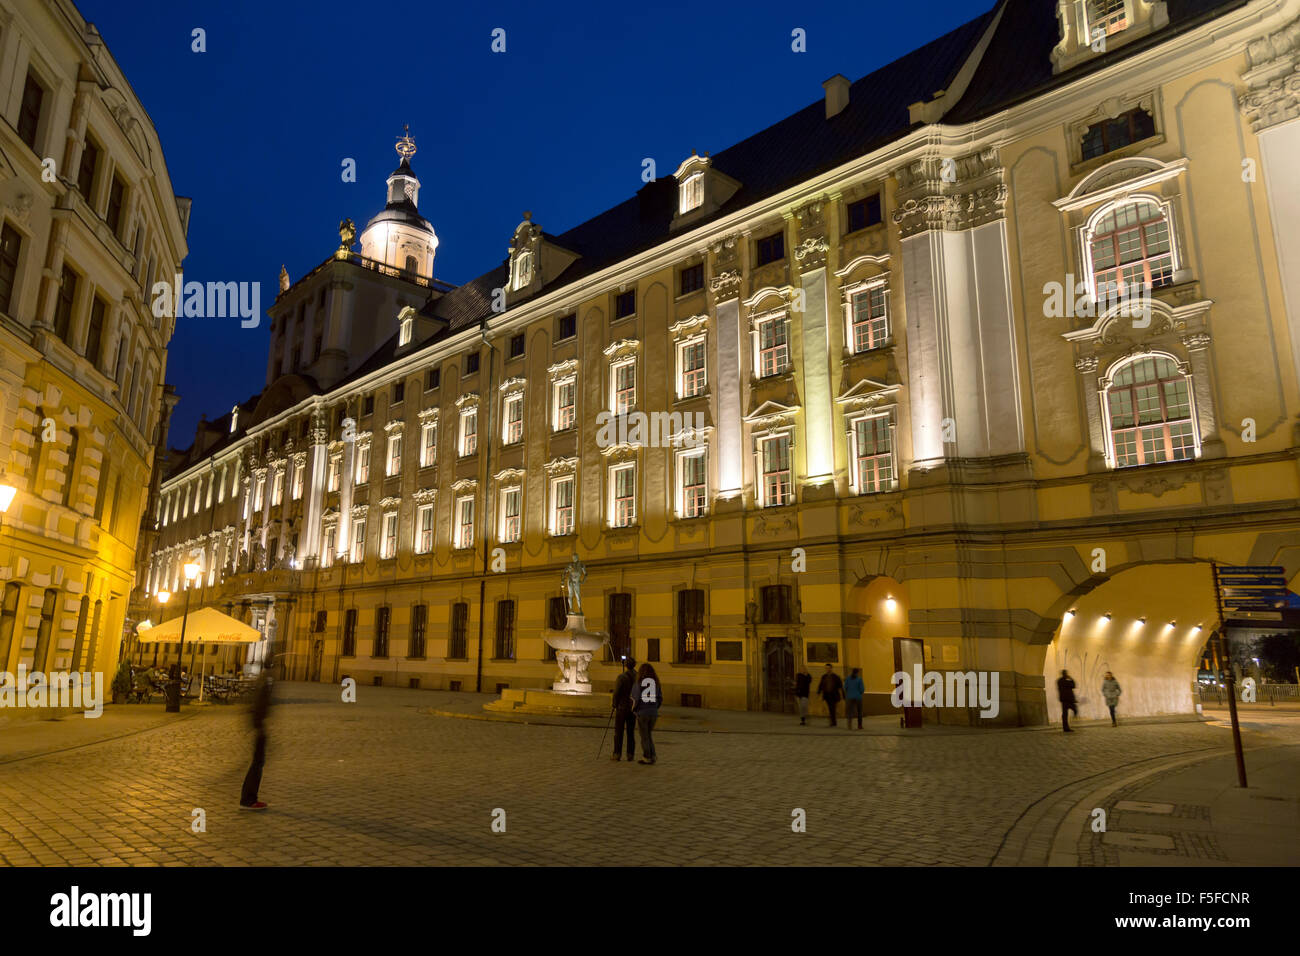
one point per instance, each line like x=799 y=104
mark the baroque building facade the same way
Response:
x=88 y=219
x=980 y=379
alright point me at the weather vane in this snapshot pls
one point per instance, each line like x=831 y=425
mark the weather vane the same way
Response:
x=406 y=146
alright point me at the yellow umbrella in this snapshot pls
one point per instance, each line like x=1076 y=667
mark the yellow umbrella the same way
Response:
x=207 y=625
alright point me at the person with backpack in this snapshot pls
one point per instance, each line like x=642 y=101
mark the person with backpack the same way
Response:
x=802 y=686
x=853 y=691
x=829 y=687
x=648 y=694
x=1110 y=691
x=624 y=721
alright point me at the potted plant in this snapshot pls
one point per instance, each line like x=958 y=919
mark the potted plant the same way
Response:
x=122 y=682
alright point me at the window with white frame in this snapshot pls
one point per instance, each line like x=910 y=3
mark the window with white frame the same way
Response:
x=428 y=444
x=873 y=453
x=869 y=319
x=363 y=462
x=562 y=506
x=564 y=403
x=692 y=482
x=394 y=461
x=622 y=495
x=1130 y=247
x=511 y=500
x=277 y=488
x=299 y=479
x=1149 y=413
x=424 y=529
x=335 y=471
x=388 y=540
x=775 y=482
x=468 y=431
x=260 y=493
x=623 y=385
x=773 y=346
x=331 y=542
x=358 y=540
x=513 y=420
x=465 y=522
x=690 y=192
x=691 y=373
x=404 y=330
x=1110 y=16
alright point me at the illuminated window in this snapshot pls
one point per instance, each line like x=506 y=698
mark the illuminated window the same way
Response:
x=1130 y=248
x=404 y=330
x=363 y=462
x=693 y=481
x=1108 y=16
x=388 y=541
x=691 y=192
x=1149 y=413
x=358 y=540
x=424 y=529
x=468 y=431
x=774 y=467
x=510 y=509
x=624 y=385
x=870 y=319
x=691 y=648
x=565 y=392
x=465 y=522
x=562 y=505
x=873 y=454
x=514 y=419
x=394 y=466
x=277 y=489
x=299 y=476
x=773 y=347
x=690 y=362
x=331 y=544
x=258 y=495
x=428 y=444
x=622 y=495
x=335 y=470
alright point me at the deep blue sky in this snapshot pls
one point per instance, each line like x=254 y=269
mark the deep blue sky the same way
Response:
x=255 y=129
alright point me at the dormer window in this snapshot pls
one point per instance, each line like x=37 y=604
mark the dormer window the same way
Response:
x=523 y=268
x=234 y=419
x=690 y=192
x=1106 y=16
x=404 y=330
x=1090 y=28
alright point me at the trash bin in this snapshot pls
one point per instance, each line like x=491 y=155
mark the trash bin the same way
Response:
x=173 y=696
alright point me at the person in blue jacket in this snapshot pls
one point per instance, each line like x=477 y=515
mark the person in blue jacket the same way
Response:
x=649 y=694
x=853 y=691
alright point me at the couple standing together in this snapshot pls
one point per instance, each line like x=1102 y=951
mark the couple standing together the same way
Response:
x=637 y=698
x=831 y=688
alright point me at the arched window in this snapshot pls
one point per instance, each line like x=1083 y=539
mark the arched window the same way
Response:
x=1130 y=247
x=1149 y=413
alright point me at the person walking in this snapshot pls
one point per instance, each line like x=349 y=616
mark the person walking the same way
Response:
x=853 y=690
x=829 y=687
x=1110 y=690
x=648 y=694
x=802 y=687
x=253 y=780
x=624 y=722
x=1065 y=693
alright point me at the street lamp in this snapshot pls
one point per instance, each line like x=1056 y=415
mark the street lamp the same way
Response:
x=7 y=493
x=192 y=570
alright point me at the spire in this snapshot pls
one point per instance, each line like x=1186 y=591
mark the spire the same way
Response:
x=403 y=187
x=405 y=147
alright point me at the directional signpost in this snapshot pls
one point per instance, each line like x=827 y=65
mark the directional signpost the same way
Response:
x=1255 y=587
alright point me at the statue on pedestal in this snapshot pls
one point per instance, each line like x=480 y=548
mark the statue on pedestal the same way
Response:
x=571 y=579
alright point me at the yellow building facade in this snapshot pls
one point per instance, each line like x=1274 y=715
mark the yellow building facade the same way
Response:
x=88 y=219
x=977 y=380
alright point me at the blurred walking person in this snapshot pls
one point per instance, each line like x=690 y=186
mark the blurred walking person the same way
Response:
x=624 y=721
x=648 y=694
x=853 y=691
x=261 y=705
x=1110 y=691
x=1065 y=693
x=829 y=687
x=802 y=687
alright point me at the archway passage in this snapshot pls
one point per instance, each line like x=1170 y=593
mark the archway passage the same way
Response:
x=1147 y=625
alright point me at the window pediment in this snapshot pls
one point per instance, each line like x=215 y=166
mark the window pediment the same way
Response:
x=425 y=495
x=622 y=348
x=467 y=401
x=772 y=414
x=511 y=476
x=464 y=484
x=557 y=467
x=1119 y=179
x=561 y=370
x=782 y=295
x=868 y=394
x=867 y=267
x=686 y=328
x=513 y=386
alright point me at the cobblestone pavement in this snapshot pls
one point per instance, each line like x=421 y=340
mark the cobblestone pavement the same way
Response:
x=382 y=781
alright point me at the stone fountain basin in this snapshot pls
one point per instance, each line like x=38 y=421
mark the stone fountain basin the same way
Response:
x=579 y=641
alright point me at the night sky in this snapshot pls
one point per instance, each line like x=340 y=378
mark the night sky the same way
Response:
x=255 y=130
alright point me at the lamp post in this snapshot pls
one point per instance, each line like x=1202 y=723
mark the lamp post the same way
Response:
x=192 y=570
